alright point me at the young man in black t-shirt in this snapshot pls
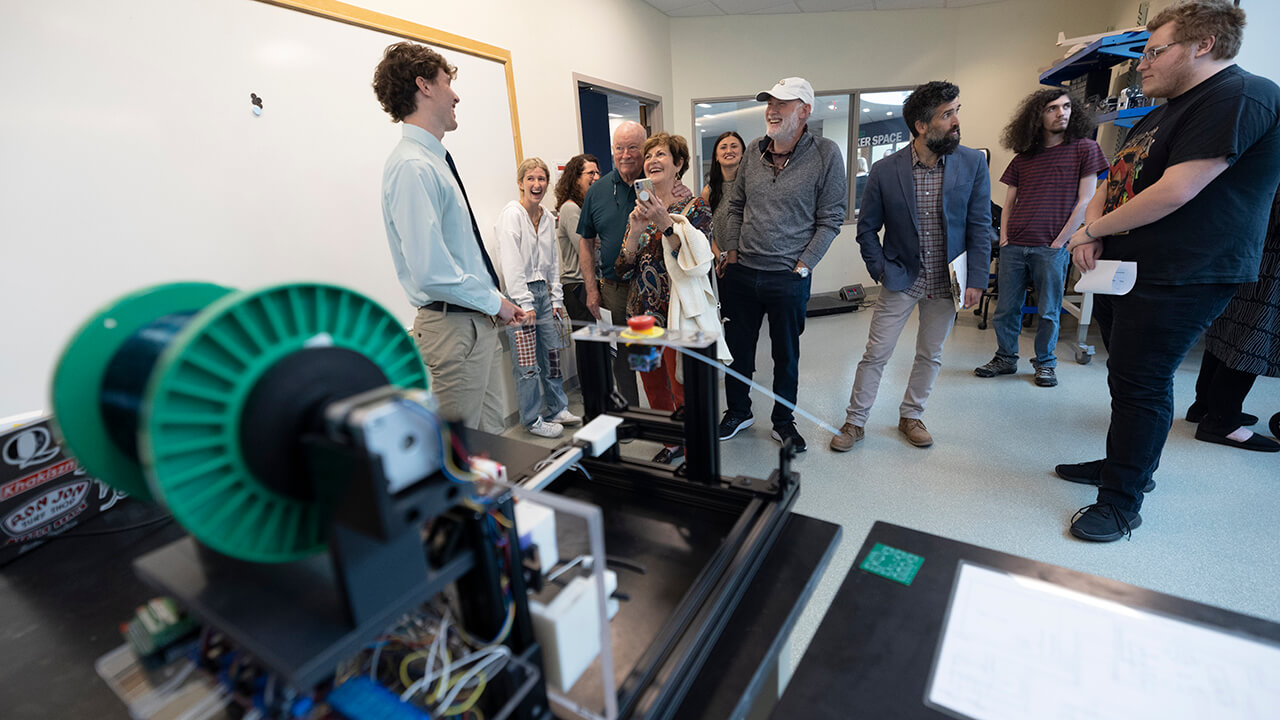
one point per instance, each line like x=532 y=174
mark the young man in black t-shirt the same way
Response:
x=1187 y=199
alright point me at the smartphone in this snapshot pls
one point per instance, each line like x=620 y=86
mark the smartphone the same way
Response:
x=644 y=189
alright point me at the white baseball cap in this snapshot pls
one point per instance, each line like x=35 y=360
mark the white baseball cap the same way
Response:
x=792 y=88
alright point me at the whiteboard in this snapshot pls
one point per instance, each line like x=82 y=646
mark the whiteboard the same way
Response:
x=129 y=156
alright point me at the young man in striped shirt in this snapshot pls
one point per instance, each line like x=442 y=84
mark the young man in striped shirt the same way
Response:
x=1051 y=181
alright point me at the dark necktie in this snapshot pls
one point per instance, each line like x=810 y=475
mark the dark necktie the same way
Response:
x=475 y=229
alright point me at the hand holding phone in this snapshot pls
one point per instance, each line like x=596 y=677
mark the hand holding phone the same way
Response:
x=644 y=189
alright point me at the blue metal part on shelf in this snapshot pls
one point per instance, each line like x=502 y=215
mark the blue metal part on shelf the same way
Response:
x=1097 y=55
x=1127 y=117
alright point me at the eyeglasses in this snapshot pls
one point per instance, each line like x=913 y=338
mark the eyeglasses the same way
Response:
x=1153 y=53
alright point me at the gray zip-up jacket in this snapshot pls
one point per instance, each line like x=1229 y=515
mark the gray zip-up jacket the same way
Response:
x=776 y=221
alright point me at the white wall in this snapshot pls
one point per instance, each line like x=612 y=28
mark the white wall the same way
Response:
x=613 y=40
x=1258 y=52
x=544 y=54
x=993 y=52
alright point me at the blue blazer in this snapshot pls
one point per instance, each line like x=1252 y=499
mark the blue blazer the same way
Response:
x=889 y=202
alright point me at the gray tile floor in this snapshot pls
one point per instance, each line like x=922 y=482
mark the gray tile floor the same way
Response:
x=1209 y=529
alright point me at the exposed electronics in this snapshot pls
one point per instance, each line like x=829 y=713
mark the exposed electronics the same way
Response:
x=853 y=293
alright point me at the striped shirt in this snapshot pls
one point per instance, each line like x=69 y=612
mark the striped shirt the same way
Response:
x=934 y=280
x=1048 y=184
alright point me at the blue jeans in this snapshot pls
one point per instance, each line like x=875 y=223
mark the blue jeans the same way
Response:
x=1147 y=334
x=1046 y=267
x=747 y=297
x=539 y=386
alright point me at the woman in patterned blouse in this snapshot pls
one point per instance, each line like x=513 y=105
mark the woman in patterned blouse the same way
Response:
x=642 y=262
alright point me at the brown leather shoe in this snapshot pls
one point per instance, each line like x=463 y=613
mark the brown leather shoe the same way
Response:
x=915 y=432
x=849 y=434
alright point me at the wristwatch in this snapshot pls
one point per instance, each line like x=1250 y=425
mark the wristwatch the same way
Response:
x=671 y=230
x=803 y=271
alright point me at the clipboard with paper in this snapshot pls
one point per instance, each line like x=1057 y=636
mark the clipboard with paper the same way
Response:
x=958 y=270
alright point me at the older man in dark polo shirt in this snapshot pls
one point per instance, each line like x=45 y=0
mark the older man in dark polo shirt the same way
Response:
x=604 y=220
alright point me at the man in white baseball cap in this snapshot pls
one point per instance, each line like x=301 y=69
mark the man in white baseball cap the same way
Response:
x=792 y=88
x=785 y=208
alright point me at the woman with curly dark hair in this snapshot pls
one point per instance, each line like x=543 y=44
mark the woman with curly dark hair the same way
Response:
x=571 y=188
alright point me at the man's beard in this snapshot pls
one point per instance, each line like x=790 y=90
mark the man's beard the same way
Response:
x=944 y=145
x=788 y=127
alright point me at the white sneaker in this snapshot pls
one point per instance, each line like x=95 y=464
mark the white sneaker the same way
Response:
x=564 y=417
x=541 y=428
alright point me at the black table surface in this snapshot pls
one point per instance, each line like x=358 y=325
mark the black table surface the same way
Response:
x=61 y=606
x=873 y=652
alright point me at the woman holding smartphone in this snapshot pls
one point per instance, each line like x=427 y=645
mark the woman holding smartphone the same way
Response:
x=725 y=160
x=644 y=259
x=530 y=266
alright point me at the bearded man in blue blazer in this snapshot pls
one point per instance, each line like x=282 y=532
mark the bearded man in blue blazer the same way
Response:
x=933 y=201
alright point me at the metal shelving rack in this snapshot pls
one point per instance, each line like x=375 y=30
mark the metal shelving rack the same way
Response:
x=1101 y=55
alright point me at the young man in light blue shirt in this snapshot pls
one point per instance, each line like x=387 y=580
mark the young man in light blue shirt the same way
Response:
x=435 y=242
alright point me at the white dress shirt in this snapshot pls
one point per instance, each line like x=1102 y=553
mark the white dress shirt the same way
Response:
x=435 y=251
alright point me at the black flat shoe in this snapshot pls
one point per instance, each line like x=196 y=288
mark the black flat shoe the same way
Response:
x=1255 y=442
x=1195 y=415
x=667 y=455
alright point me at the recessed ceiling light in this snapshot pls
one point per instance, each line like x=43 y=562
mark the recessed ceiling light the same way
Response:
x=704 y=106
x=703 y=130
x=890 y=113
x=698 y=124
x=866 y=109
x=614 y=115
x=833 y=105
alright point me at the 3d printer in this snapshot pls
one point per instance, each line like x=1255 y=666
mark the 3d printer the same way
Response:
x=289 y=431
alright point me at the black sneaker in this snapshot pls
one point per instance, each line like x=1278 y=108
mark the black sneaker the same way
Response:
x=1090 y=473
x=1104 y=522
x=782 y=433
x=997 y=366
x=1046 y=377
x=732 y=425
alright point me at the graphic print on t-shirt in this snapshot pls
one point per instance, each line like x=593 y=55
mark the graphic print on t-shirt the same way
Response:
x=1124 y=172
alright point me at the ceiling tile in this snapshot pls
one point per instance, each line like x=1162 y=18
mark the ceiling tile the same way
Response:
x=702 y=9
x=814 y=6
x=746 y=7
x=908 y=4
x=784 y=9
x=667 y=6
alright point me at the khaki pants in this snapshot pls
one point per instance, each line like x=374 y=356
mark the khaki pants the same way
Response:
x=464 y=357
x=892 y=310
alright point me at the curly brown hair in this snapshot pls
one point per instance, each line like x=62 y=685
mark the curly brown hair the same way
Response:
x=567 y=186
x=395 y=79
x=1199 y=19
x=1025 y=132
